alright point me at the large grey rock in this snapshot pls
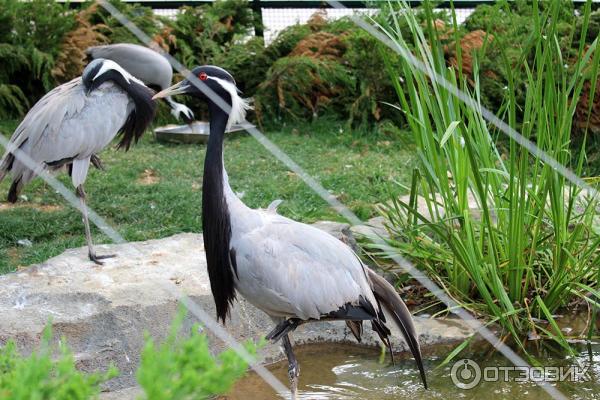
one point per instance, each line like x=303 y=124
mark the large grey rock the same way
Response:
x=103 y=311
x=373 y=228
x=339 y=230
x=376 y=226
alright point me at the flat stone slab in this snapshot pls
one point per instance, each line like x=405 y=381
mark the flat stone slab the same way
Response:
x=104 y=311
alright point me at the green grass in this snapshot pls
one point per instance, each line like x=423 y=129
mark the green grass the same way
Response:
x=532 y=250
x=355 y=167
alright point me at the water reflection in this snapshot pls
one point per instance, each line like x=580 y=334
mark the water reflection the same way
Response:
x=345 y=372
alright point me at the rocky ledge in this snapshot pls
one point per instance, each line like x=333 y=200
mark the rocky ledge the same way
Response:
x=103 y=311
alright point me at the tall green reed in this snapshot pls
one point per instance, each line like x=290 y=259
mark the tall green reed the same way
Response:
x=504 y=233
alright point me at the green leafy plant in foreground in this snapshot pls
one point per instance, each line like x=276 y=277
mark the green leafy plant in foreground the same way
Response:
x=185 y=369
x=530 y=243
x=41 y=376
x=182 y=367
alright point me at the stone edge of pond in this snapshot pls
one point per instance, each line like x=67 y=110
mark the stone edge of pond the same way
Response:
x=103 y=312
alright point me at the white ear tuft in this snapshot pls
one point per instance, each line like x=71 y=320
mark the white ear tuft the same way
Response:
x=239 y=106
x=110 y=64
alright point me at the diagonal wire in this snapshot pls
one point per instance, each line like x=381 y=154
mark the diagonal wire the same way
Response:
x=57 y=185
x=485 y=332
x=116 y=237
x=469 y=101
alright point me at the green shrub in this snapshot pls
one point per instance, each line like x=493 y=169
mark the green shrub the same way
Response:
x=201 y=33
x=185 y=369
x=114 y=31
x=40 y=376
x=247 y=62
x=182 y=367
x=30 y=37
x=529 y=245
x=512 y=50
x=286 y=40
x=323 y=67
x=372 y=86
x=303 y=87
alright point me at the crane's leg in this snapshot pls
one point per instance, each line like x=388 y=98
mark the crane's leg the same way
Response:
x=284 y=327
x=88 y=234
x=293 y=367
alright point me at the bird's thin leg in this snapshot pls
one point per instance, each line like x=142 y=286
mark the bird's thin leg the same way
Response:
x=88 y=234
x=293 y=367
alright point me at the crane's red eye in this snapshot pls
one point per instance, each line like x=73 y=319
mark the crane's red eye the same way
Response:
x=202 y=76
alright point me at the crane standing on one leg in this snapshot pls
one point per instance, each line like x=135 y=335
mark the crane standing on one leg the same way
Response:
x=294 y=272
x=76 y=120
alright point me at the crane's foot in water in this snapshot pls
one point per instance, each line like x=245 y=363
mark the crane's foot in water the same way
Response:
x=293 y=367
x=294 y=373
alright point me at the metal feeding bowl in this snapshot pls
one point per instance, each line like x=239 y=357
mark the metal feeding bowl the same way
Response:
x=196 y=132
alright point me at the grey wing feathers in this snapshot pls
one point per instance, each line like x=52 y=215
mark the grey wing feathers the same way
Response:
x=45 y=117
x=49 y=111
x=63 y=126
x=315 y=272
x=142 y=62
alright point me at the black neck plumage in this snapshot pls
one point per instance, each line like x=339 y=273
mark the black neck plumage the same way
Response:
x=143 y=112
x=140 y=118
x=216 y=221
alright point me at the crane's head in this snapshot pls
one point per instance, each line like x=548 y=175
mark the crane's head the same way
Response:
x=215 y=86
x=100 y=70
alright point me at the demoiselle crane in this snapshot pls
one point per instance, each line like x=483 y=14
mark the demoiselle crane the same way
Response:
x=294 y=272
x=76 y=120
x=148 y=66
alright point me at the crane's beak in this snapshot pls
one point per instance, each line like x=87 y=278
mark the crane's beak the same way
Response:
x=178 y=88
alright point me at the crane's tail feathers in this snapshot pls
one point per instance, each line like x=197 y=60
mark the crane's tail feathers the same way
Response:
x=97 y=162
x=15 y=189
x=384 y=334
x=356 y=329
x=398 y=316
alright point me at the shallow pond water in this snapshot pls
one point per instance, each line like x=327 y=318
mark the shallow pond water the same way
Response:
x=344 y=372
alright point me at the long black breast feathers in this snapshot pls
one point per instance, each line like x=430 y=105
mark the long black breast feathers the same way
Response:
x=216 y=226
x=140 y=118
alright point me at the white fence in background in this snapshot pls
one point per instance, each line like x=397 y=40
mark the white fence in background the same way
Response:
x=277 y=19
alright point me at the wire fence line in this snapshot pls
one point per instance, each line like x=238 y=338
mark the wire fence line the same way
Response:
x=208 y=321
x=485 y=332
x=275 y=20
x=61 y=189
x=168 y=286
x=323 y=193
x=438 y=79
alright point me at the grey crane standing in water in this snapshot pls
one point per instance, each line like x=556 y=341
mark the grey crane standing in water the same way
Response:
x=76 y=120
x=148 y=66
x=292 y=271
